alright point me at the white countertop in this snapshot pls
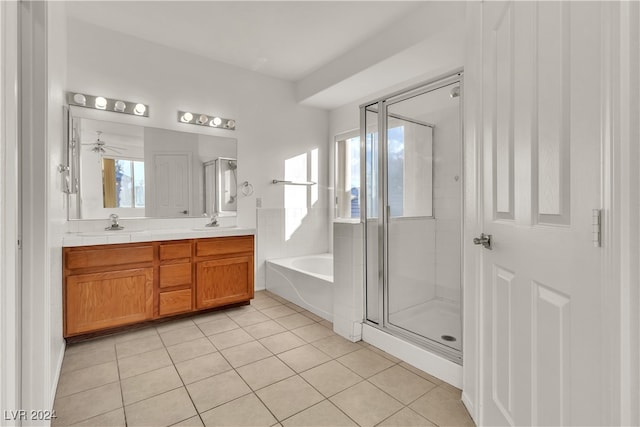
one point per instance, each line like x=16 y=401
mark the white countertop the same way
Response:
x=88 y=238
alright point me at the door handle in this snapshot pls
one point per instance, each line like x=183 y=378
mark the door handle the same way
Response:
x=184 y=212
x=484 y=240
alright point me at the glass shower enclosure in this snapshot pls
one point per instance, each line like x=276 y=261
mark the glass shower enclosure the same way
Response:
x=411 y=149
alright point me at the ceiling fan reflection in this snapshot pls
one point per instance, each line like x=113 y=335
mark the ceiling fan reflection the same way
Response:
x=100 y=146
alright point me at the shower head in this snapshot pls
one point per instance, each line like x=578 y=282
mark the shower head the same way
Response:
x=455 y=92
x=233 y=165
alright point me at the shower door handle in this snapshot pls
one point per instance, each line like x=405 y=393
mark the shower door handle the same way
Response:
x=484 y=240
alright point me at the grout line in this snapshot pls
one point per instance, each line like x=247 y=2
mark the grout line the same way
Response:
x=82 y=391
x=124 y=412
x=252 y=391
x=184 y=385
x=257 y=397
x=215 y=350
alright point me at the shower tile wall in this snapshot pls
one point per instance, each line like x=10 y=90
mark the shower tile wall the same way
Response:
x=348 y=279
x=413 y=267
x=289 y=232
x=447 y=202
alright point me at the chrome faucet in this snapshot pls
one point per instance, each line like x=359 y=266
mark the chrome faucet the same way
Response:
x=214 y=221
x=114 y=223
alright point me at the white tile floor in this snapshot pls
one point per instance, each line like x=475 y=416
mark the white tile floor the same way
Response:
x=269 y=363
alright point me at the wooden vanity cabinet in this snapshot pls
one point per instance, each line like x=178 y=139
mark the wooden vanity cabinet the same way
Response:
x=107 y=286
x=110 y=286
x=224 y=271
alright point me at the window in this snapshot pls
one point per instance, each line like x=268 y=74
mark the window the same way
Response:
x=123 y=183
x=409 y=171
x=347 y=179
x=395 y=181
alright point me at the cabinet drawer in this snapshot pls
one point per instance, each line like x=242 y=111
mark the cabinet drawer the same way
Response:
x=108 y=256
x=175 y=302
x=175 y=251
x=175 y=274
x=224 y=245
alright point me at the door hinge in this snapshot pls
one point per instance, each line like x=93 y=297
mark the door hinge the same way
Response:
x=19 y=244
x=596 y=227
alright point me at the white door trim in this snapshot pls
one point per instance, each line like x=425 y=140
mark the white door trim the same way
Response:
x=472 y=211
x=37 y=383
x=621 y=198
x=10 y=366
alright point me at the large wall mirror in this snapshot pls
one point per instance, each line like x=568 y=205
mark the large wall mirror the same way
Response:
x=136 y=172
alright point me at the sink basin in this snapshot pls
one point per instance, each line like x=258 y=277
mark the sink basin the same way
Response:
x=109 y=233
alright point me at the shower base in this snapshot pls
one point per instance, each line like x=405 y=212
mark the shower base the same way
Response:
x=438 y=320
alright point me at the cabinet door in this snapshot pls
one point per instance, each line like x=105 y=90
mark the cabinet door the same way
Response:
x=108 y=299
x=224 y=281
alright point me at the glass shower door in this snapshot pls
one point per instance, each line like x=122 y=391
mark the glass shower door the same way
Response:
x=424 y=197
x=414 y=215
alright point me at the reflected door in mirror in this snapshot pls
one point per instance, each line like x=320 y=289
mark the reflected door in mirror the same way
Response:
x=171 y=185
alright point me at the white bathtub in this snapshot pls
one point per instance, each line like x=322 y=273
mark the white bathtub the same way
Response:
x=306 y=281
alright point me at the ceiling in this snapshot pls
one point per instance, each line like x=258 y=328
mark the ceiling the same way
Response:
x=334 y=52
x=287 y=40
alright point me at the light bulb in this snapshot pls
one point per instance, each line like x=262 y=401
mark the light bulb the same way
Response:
x=79 y=98
x=216 y=121
x=203 y=119
x=140 y=109
x=231 y=124
x=101 y=103
x=187 y=117
x=119 y=106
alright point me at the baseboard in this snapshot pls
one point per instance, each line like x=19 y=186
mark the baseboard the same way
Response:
x=470 y=408
x=56 y=378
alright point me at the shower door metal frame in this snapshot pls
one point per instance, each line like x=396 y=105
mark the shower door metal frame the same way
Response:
x=383 y=219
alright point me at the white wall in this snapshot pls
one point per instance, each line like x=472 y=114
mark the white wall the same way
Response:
x=271 y=126
x=56 y=201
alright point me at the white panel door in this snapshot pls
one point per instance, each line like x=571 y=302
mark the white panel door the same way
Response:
x=172 y=184
x=541 y=311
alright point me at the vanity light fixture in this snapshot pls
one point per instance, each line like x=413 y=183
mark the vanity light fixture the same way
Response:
x=80 y=99
x=206 y=120
x=186 y=117
x=119 y=106
x=101 y=103
x=140 y=109
x=107 y=104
